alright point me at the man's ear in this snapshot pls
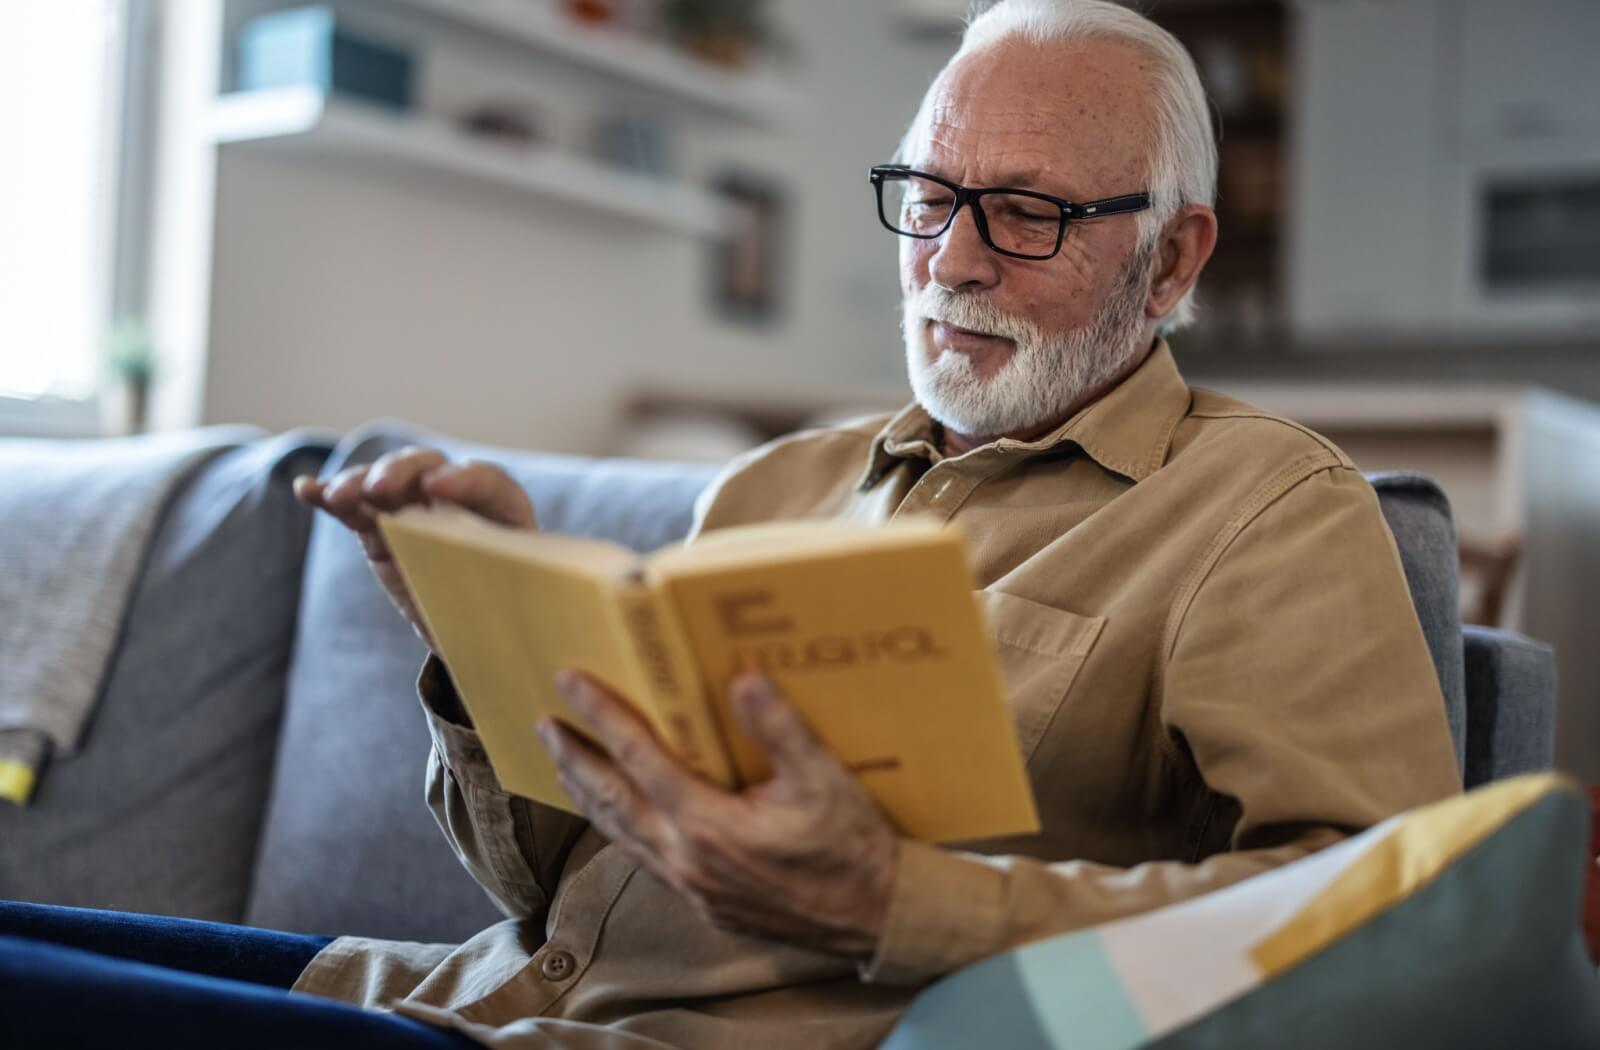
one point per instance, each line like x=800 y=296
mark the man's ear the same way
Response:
x=1185 y=246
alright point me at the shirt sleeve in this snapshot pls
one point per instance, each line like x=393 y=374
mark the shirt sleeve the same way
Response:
x=514 y=847
x=1296 y=681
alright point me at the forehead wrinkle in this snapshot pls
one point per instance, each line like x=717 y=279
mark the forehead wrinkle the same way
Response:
x=977 y=113
x=1025 y=165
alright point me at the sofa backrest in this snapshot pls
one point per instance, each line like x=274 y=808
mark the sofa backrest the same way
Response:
x=161 y=811
x=349 y=846
x=1425 y=534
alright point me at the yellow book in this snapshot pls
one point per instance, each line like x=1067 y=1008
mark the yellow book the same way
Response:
x=872 y=633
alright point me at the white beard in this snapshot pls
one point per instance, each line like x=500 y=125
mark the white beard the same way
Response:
x=1046 y=372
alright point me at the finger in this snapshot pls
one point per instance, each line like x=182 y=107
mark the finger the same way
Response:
x=394 y=480
x=308 y=491
x=343 y=490
x=341 y=497
x=482 y=488
x=313 y=492
x=631 y=743
x=610 y=800
x=767 y=717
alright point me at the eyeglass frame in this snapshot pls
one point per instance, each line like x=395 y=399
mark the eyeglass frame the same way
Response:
x=1071 y=211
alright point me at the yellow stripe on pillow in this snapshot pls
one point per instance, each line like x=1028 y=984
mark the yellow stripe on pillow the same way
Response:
x=16 y=781
x=1421 y=845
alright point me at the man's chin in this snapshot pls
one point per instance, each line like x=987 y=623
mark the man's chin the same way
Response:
x=952 y=409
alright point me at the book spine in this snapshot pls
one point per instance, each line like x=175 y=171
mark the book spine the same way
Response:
x=677 y=702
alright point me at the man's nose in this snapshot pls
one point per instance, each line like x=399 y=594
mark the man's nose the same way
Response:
x=962 y=258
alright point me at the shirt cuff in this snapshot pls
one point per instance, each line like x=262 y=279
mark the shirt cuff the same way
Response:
x=458 y=746
x=946 y=910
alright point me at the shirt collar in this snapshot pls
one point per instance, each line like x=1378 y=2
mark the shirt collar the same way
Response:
x=1128 y=430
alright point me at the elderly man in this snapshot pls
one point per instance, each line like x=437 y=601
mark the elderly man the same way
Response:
x=1209 y=647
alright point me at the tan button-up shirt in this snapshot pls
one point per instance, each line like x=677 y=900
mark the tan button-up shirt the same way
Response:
x=1214 y=665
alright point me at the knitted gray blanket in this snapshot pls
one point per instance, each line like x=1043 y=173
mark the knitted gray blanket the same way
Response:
x=76 y=520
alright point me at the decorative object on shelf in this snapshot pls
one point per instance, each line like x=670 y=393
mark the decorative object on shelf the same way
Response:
x=724 y=32
x=591 y=12
x=747 y=266
x=509 y=123
x=637 y=51
x=131 y=359
x=312 y=47
x=304 y=123
x=632 y=142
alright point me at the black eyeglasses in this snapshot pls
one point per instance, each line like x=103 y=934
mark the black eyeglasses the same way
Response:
x=1023 y=224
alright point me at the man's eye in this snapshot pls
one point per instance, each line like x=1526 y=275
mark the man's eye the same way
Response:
x=941 y=202
x=1031 y=215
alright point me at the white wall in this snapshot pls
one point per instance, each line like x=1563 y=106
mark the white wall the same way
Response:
x=341 y=295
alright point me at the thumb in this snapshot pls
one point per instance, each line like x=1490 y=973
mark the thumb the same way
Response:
x=766 y=716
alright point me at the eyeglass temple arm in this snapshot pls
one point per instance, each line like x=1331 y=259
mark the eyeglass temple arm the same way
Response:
x=1111 y=206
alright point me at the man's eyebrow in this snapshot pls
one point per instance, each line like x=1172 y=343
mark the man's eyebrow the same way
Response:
x=1016 y=179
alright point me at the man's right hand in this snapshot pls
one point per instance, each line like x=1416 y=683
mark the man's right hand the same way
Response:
x=409 y=477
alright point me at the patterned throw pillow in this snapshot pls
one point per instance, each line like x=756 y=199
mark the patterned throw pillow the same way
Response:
x=1452 y=926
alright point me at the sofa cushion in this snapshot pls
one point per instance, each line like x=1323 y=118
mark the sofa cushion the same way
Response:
x=1451 y=927
x=347 y=796
x=1511 y=688
x=162 y=809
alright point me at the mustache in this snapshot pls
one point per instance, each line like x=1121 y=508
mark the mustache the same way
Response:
x=968 y=310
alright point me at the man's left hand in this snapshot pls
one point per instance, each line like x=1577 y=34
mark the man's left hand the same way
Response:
x=806 y=857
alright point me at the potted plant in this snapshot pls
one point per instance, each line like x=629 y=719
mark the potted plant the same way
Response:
x=720 y=31
x=131 y=357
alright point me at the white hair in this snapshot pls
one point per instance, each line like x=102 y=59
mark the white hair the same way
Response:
x=1183 y=154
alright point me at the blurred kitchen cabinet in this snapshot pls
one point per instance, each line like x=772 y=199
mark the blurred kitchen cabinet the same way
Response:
x=1521 y=466
x=1362 y=165
x=1445 y=171
x=1529 y=68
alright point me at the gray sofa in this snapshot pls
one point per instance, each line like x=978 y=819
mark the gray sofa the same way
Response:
x=257 y=753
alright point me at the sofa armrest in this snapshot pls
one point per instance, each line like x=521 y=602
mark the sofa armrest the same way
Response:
x=1511 y=702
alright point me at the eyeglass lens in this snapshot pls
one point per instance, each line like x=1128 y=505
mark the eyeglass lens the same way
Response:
x=921 y=208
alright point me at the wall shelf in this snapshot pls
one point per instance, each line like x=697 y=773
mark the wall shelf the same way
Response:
x=307 y=122
x=753 y=98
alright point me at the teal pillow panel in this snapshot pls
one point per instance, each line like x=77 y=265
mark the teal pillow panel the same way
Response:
x=1451 y=927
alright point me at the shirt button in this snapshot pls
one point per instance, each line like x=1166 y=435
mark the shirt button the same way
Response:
x=558 y=966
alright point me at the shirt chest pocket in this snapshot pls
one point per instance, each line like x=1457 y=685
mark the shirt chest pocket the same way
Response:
x=1041 y=649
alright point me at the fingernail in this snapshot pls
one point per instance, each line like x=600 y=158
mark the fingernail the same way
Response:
x=750 y=697
x=570 y=683
x=753 y=684
x=546 y=730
